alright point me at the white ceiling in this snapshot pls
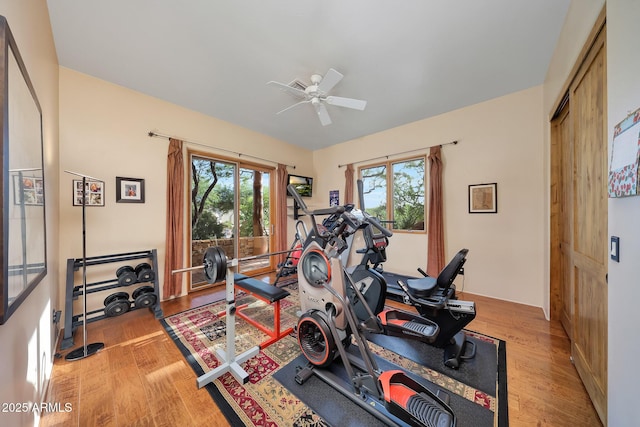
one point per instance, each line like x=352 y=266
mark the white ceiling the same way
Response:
x=409 y=59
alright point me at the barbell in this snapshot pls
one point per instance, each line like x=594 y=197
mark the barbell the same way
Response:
x=215 y=263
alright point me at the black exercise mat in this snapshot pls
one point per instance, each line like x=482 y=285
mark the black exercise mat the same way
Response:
x=338 y=410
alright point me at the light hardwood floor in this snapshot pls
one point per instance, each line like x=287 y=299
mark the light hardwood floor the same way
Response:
x=142 y=379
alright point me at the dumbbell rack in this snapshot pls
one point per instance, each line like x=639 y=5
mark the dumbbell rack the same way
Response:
x=71 y=320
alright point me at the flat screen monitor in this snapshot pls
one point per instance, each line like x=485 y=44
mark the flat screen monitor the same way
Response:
x=302 y=184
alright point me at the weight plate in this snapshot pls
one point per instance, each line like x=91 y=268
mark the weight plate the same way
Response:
x=142 y=266
x=116 y=308
x=146 y=275
x=222 y=271
x=146 y=300
x=222 y=265
x=141 y=290
x=215 y=264
x=123 y=269
x=127 y=278
x=208 y=262
x=115 y=297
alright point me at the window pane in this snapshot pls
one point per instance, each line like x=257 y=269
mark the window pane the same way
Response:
x=254 y=218
x=374 y=182
x=213 y=218
x=408 y=195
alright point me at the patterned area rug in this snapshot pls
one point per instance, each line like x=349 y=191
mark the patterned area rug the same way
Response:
x=264 y=401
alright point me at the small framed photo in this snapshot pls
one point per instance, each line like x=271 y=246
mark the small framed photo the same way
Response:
x=483 y=198
x=31 y=189
x=94 y=193
x=129 y=190
x=334 y=197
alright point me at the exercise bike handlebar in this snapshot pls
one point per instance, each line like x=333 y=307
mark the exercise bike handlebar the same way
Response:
x=381 y=228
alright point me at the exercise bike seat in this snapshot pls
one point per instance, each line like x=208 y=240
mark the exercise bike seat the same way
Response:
x=436 y=291
x=422 y=287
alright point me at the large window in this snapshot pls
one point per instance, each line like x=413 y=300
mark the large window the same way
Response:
x=395 y=192
x=230 y=208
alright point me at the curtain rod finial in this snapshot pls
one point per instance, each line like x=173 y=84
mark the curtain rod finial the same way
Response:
x=151 y=134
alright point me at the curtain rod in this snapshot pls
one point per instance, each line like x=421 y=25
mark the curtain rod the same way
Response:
x=153 y=134
x=397 y=154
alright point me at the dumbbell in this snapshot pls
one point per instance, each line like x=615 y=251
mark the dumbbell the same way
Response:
x=126 y=275
x=144 y=272
x=144 y=296
x=116 y=304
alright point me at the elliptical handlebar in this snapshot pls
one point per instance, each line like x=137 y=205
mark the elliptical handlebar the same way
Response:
x=326 y=211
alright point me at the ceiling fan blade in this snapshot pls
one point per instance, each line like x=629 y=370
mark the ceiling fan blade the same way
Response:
x=286 y=88
x=339 y=101
x=329 y=80
x=294 y=105
x=323 y=114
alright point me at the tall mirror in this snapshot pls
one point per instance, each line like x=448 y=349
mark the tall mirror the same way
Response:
x=24 y=257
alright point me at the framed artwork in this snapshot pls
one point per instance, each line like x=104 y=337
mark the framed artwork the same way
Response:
x=28 y=190
x=483 y=198
x=94 y=193
x=129 y=190
x=334 y=197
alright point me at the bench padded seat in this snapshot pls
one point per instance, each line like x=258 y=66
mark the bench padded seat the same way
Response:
x=268 y=294
x=264 y=290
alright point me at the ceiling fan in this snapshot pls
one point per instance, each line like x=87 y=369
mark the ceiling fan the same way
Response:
x=316 y=94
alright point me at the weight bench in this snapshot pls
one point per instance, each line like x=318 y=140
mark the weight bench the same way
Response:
x=266 y=293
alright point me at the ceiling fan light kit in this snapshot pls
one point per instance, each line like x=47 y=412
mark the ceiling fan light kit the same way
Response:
x=316 y=94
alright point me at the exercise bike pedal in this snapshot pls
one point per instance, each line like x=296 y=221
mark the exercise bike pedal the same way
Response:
x=401 y=324
x=303 y=373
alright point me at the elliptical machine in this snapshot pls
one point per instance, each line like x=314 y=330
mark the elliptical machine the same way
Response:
x=329 y=323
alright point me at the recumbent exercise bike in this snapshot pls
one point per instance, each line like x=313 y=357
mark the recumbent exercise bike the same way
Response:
x=433 y=297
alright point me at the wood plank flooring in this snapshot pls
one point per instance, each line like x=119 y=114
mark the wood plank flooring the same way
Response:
x=142 y=379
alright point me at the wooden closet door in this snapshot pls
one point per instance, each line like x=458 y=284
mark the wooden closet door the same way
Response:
x=589 y=249
x=561 y=219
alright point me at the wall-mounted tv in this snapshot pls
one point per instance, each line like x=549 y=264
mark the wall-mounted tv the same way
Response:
x=303 y=184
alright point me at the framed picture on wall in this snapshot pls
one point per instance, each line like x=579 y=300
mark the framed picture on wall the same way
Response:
x=94 y=195
x=28 y=190
x=129 y=190
x=483 y=198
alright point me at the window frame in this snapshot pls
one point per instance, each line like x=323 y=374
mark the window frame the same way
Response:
x=388 y=164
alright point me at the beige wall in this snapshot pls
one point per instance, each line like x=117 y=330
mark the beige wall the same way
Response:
x=28 y=337
x=624 y=292
x=104 y=133
x=499 y=141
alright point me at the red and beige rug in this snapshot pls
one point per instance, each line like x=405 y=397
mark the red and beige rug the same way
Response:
x=264 y=401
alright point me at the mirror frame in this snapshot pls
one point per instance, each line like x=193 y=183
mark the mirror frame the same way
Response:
x=32 y=274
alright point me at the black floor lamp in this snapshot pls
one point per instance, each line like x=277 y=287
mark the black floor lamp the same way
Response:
x=87 y=349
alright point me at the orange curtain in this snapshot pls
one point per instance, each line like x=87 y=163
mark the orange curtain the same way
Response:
x=435 y=256
x=348 y=184
x=175 y=220
x=281 y=212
